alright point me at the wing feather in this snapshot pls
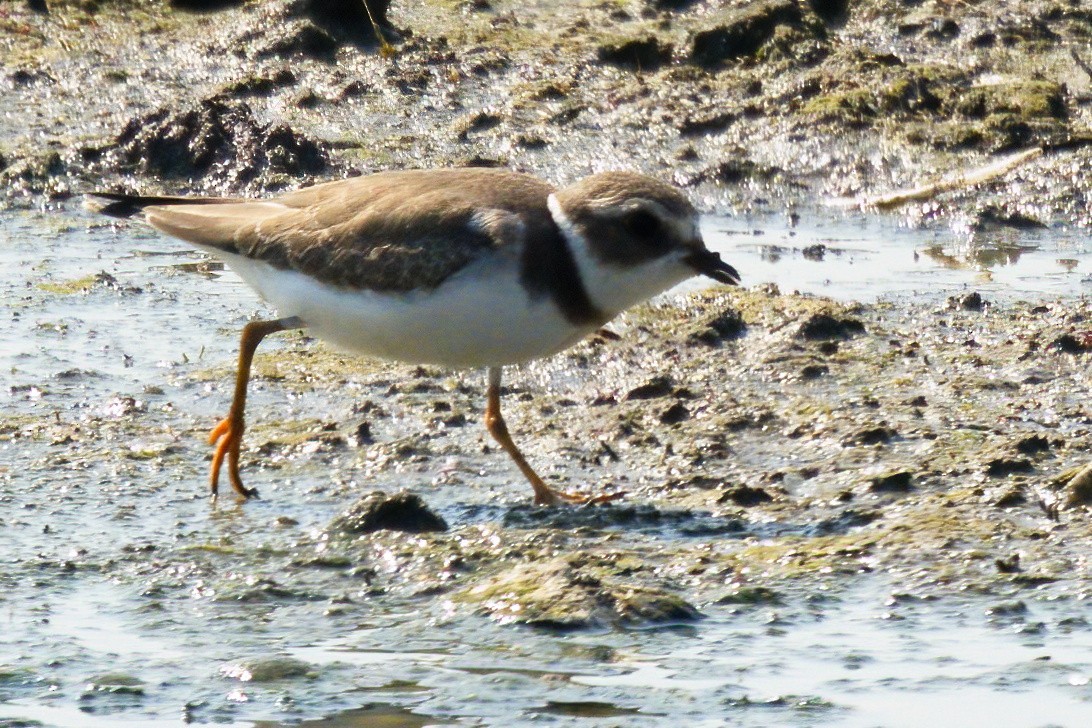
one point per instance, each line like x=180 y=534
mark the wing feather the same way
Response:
x=393 y=231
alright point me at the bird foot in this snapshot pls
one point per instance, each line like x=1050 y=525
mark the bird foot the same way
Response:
x=227 y=436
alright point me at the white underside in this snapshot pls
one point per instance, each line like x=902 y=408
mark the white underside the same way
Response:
x=480 y=317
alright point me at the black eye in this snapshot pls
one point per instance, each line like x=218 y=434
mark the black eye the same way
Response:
x=642 y=224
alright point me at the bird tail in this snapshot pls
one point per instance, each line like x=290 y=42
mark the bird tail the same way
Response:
x=121 y=205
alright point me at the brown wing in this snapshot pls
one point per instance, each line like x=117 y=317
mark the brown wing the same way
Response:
x=393 y=231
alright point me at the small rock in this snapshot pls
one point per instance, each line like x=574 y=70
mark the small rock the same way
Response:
x=824 y=326
x=266 y=669
x=731 y=171
x=675 y=414
x=745 y=496
x=219 y=140
x=1011 y=497
x=381 y=512
x=848 y=519
x=530 y=141
x=477 y=122
x=640 y=54
x=724 y=326
x=654 y=388
x=636 y=606
x=1071 y=344
x=354 y=89
x=1032 y=444
x=969 y=302
x=115 y=683
x=348 y=14
x=308 y=99
x=363 y=435
x=942 y=29
x=991 y=217
x=706 y=124
x=1007 y=609
x=300 y=38
x=872 y=435
x=747 y=30
x=1002 y=466
x=830 y=10
x=899 y=482
x=1078 y=491
x=751 y=595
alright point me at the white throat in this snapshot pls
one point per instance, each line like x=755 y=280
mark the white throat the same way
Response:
x=614 y=287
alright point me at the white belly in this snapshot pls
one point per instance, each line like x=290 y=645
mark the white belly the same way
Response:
x=480 y=317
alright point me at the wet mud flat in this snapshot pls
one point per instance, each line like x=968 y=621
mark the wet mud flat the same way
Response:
x=828 y=501
x=774 y=105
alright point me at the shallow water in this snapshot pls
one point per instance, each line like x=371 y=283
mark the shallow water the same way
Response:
x=861 y=658
x=126 y=599
x=865 y=257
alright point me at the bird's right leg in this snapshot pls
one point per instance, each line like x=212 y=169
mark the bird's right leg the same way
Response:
x=544 y=494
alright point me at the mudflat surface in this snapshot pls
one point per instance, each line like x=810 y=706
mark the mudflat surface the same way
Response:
x=753 y=105
x=838 y=511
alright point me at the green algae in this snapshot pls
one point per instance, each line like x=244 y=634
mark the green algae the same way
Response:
x=568 y=594
x=68 y=288
x=1024 y=100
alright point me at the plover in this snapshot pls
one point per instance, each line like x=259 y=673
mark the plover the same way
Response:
x=463 y=268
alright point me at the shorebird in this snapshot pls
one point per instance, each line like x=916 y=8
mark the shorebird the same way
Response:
x=463 y=268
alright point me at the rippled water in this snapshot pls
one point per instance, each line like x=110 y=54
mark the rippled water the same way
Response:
x=91 y=638
x=856 y=659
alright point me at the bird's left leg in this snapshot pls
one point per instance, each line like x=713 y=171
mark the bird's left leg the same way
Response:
x=228 y=435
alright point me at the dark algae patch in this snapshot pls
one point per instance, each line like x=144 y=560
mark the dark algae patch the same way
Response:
x=747 y=30
x=398 y=512
x=220 y=142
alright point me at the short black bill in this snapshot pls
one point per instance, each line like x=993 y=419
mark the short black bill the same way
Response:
x=708 y=263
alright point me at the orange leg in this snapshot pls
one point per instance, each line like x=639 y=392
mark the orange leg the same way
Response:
x=228 y=435
x=544 y=494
